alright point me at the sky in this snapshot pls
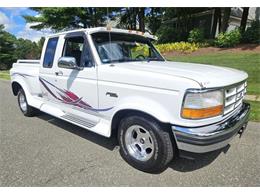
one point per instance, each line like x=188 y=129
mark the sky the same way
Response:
x=13 y=20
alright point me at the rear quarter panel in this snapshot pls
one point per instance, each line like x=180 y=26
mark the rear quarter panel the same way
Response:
x=27 y=75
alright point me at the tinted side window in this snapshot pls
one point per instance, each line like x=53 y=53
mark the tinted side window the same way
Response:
x=74 y=48
x=50 y=52
x=78 y=48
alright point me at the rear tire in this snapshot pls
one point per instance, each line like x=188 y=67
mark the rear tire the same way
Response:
x=23 y=104
x=144 y=144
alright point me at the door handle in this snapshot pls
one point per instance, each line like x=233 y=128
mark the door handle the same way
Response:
x=59 y=73
x=111 y=94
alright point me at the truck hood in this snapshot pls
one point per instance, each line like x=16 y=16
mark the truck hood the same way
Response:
x=205 y=75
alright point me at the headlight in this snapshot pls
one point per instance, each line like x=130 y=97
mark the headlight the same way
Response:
x=199 y=105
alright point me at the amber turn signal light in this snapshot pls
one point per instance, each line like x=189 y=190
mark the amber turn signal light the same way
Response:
x=190 y=113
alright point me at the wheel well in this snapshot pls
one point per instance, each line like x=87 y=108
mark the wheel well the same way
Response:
x=15 y=87
x=127 y=112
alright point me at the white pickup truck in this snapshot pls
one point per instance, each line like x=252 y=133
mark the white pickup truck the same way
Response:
x=113 y=81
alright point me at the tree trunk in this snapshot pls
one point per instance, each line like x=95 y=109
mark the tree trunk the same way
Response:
x=134 y=14
x=220 y=22
x=225 y=20
x=141 y=19
x=217 y=15
x=132 y=18
x=244 y=19
x=95 y=17
x=91 y=23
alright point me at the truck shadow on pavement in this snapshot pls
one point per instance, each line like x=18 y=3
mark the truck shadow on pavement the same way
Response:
x=107 y=143
x=178 y=164
x=199 y=160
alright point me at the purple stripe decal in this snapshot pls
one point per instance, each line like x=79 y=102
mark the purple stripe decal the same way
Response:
x=48 y=89
x=68 y=97
x=21 y=74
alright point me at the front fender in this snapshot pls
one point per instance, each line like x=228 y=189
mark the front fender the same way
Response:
x=145 y=105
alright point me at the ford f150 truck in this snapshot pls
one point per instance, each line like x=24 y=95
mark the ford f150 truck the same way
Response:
x=114 y=81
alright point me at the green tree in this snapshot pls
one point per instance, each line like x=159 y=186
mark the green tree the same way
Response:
x=70 y=18
x=40 y=45
x=133 y=18
x=7 y=49
x=176 y=23
x=128 y=18
x=12 y=49
x=154 y=18
x=26 y=49
x=252 y=33
x=60 y=18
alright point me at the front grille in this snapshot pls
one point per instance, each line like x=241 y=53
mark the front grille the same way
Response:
x=234 y=96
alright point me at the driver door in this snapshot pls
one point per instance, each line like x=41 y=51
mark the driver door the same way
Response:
x=77 y=88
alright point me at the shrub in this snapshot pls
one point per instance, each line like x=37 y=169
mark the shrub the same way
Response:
x=252 y=33
x=208 y=43
x=228 y=39
x=169 y=34
x=196 y=36
x=178 y=46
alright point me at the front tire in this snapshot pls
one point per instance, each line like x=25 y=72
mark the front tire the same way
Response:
x=23 y=104
x=144 y=144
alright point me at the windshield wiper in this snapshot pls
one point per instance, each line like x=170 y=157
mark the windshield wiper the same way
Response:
x=118 y=60
x=152 y=59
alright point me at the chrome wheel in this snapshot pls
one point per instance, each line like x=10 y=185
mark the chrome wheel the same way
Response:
x=139 y=143
x=22 y=102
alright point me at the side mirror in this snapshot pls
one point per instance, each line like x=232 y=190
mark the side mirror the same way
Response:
x=68 y=62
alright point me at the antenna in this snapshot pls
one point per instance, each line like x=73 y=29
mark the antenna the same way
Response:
x=109 y=27
x=108 y=20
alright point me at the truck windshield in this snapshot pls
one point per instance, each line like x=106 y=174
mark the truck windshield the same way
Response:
x=120 y=47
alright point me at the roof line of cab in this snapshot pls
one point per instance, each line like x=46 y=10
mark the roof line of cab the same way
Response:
x=105 y=29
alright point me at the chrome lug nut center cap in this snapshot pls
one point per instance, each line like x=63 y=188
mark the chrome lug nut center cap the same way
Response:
x=142 y=141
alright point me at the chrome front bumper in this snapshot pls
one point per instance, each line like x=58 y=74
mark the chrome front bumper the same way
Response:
x=211 y=137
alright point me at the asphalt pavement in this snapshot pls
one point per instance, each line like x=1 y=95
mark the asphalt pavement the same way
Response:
x=45 y=151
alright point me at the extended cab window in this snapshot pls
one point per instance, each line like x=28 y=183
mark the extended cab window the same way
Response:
x=76 y=47
x=50 y=52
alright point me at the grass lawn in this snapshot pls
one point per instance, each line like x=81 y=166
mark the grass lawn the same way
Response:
x=246 y=61
x=255 y=111
x=5 y=75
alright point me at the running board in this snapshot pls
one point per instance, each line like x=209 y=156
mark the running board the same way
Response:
x=49 y=109
x=79 y=120
x=100 y=126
